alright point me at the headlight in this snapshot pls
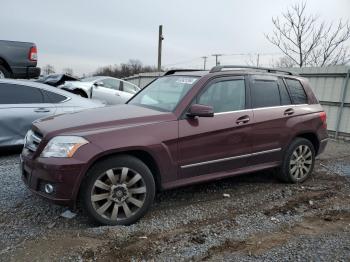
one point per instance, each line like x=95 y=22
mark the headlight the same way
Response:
x=63 y=146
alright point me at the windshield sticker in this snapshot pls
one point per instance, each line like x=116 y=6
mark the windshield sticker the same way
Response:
x=186 y=80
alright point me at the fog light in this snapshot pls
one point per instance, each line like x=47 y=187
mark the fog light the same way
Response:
x=48 y=188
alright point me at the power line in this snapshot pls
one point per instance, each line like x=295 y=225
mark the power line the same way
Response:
x=222 y=55
x=216 y=58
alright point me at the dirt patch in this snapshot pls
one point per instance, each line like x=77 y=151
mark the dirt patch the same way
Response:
x=256 y=245
x=304 y=198
x=55 y=247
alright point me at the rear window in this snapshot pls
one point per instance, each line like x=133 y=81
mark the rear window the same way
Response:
x=296 y=91
x=264 y=93
x=20 y=94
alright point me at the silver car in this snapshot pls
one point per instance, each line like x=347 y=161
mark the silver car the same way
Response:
x=22 y=102
x=110 y=90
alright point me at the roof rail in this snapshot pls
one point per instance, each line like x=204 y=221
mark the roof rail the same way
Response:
x=269 y=70
x=173 y=71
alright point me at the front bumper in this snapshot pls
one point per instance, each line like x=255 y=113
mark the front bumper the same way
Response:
x=63 y=174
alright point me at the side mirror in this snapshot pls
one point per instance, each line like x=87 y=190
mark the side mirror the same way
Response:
x=200 y=111
x=98 y=83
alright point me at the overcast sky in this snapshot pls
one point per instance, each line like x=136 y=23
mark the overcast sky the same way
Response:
x=84 y=34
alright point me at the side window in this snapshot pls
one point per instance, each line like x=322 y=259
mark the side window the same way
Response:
x=129 y=88
x=20 y=94
x=264 y=93
x=285 y=98
x=224 y=96
x=51 y=97
x=111 y=83
x=296 y=91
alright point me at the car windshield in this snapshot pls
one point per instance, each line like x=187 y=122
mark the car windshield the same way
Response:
x=164 y=93
x=90 y=79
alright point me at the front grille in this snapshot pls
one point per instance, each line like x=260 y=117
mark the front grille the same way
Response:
x=32 y=140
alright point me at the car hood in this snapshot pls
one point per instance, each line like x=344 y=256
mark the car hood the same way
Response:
x=99 y=119
x=73 y=84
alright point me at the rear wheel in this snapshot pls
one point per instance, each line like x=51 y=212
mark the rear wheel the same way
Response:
x=118 y=191
x=4 y=73
x=298 y=162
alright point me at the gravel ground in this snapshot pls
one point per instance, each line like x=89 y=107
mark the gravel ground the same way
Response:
x=262 y=219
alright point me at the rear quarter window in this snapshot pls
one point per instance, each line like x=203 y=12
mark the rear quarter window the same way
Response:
x=296 y=91
x=51 y=97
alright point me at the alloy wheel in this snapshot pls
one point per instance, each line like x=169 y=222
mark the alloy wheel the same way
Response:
x=301 y=162
x=2 y=75
x=118 y=193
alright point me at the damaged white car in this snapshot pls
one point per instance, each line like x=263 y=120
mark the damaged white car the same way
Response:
x=107 y=89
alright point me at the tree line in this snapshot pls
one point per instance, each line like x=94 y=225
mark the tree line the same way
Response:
x=130 y=68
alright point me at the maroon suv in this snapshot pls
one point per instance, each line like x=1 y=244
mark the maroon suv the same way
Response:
x=183 y=128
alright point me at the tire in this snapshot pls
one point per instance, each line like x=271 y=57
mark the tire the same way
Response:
x=298 y=162
x=106 y=191
x=4 y=73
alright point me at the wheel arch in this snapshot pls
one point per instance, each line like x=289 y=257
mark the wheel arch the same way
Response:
x=5 y=64
x=141 y=154
x=79 y=91
x=312 y=137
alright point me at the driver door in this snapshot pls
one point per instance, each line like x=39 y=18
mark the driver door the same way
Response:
x=219 y=144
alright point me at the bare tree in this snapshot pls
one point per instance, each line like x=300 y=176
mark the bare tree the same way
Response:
x=306 y=41
x=48 y=69
x=283 y=61
x=252 y=60
x=67 y=71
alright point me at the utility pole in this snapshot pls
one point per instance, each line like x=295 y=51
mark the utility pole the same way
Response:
x=257 y=60
x=205 y=61
x=160 y=40
x=216 y=58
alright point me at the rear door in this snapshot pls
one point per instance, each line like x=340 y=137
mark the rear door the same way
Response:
x=272 y=110
x=209 y=145
x=19 y=106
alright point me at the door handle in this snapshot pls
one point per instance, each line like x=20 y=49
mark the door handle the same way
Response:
x=289 y=111
x=42 y=110
x=117 y=94
x=242 y=120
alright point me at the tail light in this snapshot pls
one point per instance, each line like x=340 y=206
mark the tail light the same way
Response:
x=33 y=54
x=323 y=118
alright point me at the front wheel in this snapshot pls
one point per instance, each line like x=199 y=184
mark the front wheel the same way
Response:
x=118 y=191
x=298 y=162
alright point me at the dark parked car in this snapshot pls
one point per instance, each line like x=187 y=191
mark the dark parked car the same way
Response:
x=18 y=60
x=183 y=128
